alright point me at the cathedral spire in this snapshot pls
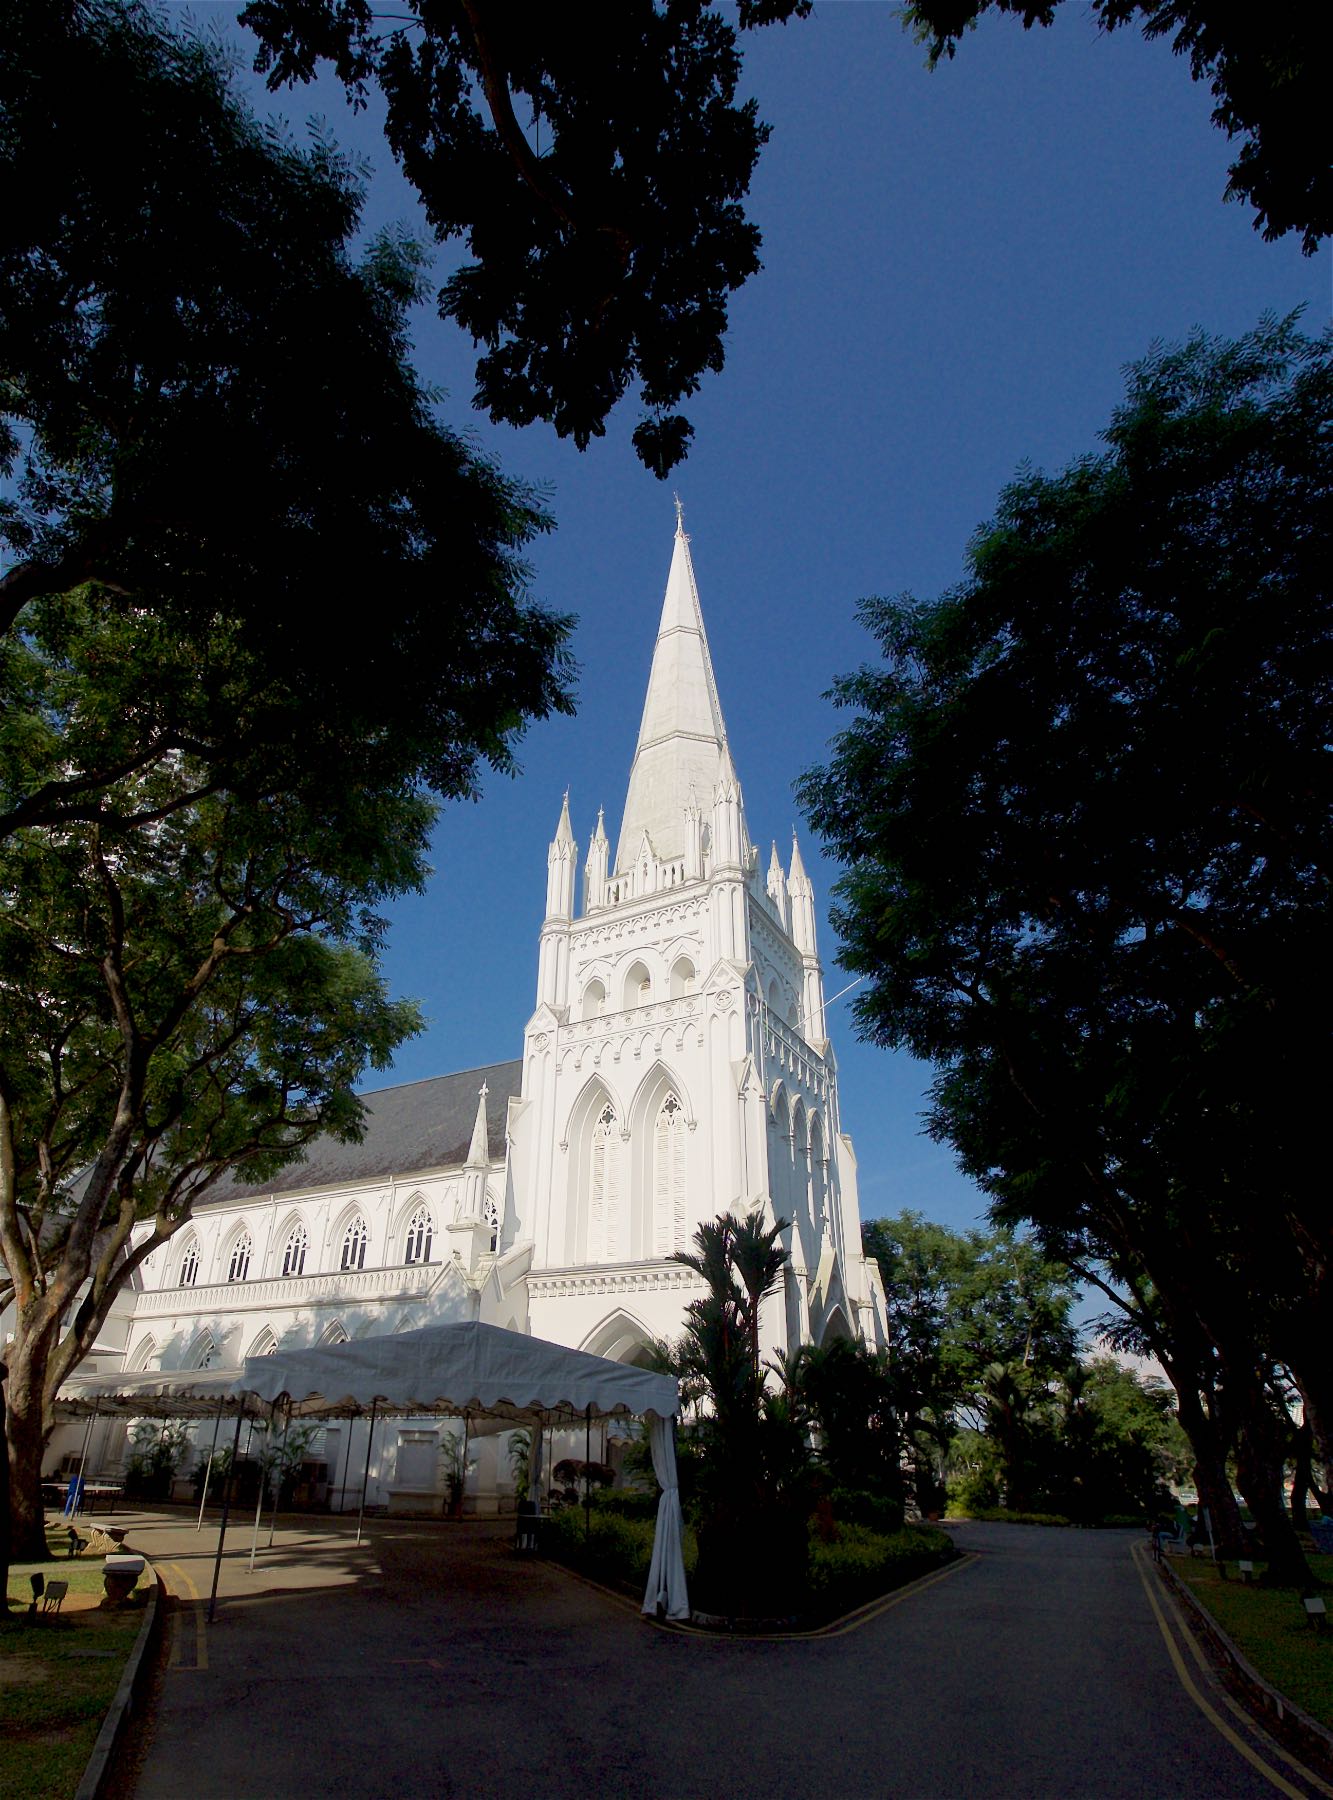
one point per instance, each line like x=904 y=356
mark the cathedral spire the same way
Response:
x=681 y=734
x=479 y=1153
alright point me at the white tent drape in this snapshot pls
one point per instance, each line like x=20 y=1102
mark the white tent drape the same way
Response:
x=473 y=1371
x=666 y=1591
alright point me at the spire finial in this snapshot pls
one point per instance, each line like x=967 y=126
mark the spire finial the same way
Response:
x=680 y=516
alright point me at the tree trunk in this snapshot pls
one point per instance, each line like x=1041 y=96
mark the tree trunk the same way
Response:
x=1301 y=1478
x=25 y=1436
x=1260 y=1459
x=1209 y=1443
x=4 y=1495
x=1316 y=1391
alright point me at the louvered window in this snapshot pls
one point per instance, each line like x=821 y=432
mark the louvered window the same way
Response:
x=604 y=1189
x=239 y=1266
x=669 y=1178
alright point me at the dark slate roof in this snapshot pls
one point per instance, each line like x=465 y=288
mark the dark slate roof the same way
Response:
x=420 y=1125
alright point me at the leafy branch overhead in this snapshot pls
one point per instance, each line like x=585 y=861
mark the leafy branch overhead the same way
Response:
x=1267 y=73
x=595 y=166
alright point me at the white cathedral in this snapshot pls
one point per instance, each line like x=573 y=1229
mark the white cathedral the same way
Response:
x=676 y=1065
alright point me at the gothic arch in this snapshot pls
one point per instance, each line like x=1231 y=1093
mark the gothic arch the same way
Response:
x=293 y=1246
x=335 y=1332
x=818 y=1171
x=659 y=1124
x=620 y=1337
x=345 y=1257
x=266 y=1344
x=637 y=987
x=835 y=1326
x=187 y=1265
x=419 y=1236
x=594 y=999
x=144 y=1355
x=237 y=1253
x=205 y=1352
x=684 y=977
x=595 y=1215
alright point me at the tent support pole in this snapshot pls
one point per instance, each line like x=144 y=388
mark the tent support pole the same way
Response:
x=365 y=1479
x=587 y=1472
x=208 y=1468
x=259 y=1496
x=74 y=1499
x=277 y=1489
x=222 y=1525
x=467 y=1434
x=347 y=1463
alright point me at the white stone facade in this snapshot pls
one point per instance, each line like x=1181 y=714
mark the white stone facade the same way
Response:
x=676 y=1065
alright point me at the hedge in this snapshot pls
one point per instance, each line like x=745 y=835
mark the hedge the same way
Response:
x=859 y=1564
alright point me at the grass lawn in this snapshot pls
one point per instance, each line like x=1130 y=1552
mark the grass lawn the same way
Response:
x=1270 y=1628
x=58 y=1677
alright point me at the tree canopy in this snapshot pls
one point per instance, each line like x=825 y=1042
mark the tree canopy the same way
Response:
x=597 y=176
x=207 y=408
x=1266 y=73
x=1084 y=815
x=262 y=611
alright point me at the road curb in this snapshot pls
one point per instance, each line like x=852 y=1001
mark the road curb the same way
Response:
x=118 y=1715
x=1314 y=1737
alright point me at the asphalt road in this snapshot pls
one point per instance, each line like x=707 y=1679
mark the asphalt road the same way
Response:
x=431 y=1662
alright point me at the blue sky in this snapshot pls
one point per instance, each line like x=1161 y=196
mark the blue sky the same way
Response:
x=957 y=267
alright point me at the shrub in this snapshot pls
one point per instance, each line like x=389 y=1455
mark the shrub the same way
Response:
x=862 y=1564
x=627 y=1503
x=859 y=1506
x=1002 y=1515
x=614 y=1549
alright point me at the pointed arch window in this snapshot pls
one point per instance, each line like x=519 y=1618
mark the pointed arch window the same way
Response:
x=238 y=1263
x=355 y=1239
x=205 y=1353
x=189 y=1271
x=669 y=1177
x=604 y=1187
x=420 y=1236
x=293 y=1254
x=491 y=1213
x=818 y=1172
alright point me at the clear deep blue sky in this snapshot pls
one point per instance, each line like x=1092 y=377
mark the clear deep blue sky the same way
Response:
x=956 y=268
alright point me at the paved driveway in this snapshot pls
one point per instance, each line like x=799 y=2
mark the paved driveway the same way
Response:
x=431 y=1662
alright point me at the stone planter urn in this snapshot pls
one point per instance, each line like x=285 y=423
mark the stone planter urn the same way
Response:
x=120 y=1577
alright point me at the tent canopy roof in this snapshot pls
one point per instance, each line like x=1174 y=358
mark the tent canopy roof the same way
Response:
x=469 y=1368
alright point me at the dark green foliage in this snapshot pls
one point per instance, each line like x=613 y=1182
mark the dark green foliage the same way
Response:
x=612 y=1548
x=208 y=408
x=1085 y=813
x=862 y=1506
x=751 y=1481
x=979 y=1326
x=595 y=174
x=859 y=1565
x=847 y=1392
x=1267 y=75
x=626 y=1503
x=262 y=604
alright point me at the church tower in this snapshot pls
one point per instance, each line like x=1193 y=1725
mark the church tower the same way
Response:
x=676 y=1065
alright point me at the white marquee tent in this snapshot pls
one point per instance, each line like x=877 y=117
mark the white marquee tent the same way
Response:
x=471 y=1371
